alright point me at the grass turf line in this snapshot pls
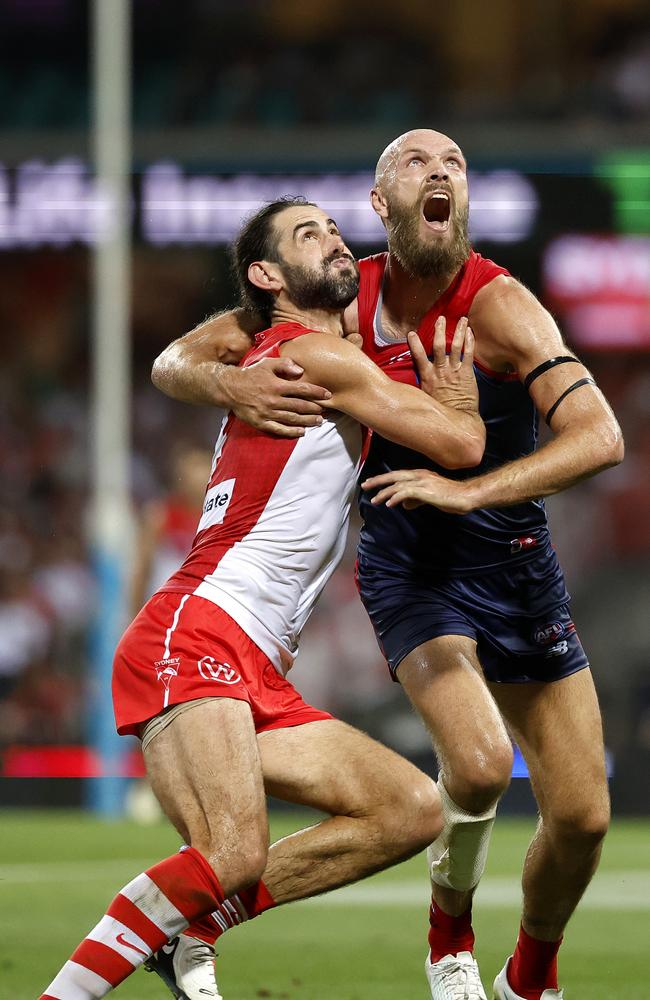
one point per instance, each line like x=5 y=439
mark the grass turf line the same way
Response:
x=58 y=872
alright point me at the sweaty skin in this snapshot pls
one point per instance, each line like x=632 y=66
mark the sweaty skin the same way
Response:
x=443 y=677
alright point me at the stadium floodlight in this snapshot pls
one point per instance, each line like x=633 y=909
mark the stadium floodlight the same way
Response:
x=110 y=515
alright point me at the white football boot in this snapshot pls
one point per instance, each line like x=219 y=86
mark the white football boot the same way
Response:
x=454 y=977
x=504 y=991
x=186 y=966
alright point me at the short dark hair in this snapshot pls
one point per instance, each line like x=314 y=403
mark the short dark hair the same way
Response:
x=258 y=241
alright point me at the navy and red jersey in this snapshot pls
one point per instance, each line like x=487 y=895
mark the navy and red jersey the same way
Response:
x=427 y=541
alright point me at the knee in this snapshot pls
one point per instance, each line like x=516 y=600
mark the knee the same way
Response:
x=238 y=860
x=477 y=782
x=579 y=825
x=420 y=814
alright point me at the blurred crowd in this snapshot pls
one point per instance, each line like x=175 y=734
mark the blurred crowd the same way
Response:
x=287 y=64
x=47 y=596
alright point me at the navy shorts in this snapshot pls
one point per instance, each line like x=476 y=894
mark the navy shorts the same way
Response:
x=518 y=614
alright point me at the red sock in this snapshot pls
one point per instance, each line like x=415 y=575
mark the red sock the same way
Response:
x=150 y=910
x=449 y=935
x=236 y=909
x=533 y=967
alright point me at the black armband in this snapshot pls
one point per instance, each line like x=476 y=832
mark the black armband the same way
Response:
x=576 y=385
x=562 y=359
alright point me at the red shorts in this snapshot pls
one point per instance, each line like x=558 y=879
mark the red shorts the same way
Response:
x=181 y=647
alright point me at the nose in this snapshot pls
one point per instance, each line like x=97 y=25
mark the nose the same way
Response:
x=337 y=244
x=437 y=170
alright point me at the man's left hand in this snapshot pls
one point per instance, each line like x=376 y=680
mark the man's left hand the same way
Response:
x=414 y=487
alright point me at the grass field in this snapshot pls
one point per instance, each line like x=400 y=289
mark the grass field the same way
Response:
x=58 y=872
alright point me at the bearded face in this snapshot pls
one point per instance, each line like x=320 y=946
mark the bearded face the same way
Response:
x=334 y=285
x=427 y=255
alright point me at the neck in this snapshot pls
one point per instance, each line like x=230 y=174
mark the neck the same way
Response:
x=408 y=298
x=323 y=320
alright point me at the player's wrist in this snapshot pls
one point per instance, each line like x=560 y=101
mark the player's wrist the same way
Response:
x=473 y=494
x=228 y=380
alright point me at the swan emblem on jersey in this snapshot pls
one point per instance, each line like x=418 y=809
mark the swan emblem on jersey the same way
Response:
x=210 y=670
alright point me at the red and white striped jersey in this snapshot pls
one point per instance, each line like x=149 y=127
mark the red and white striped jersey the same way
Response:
x=274 y=520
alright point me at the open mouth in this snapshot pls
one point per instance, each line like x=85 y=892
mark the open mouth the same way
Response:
x=436 y=211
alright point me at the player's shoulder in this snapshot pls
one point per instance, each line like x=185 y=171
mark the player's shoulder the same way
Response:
x=327 y=359
x=478 y=272
x=268 y=342
x=503 y=292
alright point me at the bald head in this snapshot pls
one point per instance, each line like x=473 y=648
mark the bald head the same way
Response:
x=418 y=138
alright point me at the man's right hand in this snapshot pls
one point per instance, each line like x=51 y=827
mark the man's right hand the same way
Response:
x=270 y=396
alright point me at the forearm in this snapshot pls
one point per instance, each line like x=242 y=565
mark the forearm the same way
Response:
x=198 y=368
x=572 y=456
x=453 y=438
x=192 y=375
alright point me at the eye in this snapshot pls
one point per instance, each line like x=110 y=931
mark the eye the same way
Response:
x=310 y=234
x=414 y=159
x=454 y=159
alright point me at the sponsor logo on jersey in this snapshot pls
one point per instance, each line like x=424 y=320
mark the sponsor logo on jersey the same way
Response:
x=210 y=670
x=216 y=503
x=167 y=669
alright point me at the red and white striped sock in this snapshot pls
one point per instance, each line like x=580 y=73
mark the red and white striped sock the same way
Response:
x=235 y=910
x=156 y=906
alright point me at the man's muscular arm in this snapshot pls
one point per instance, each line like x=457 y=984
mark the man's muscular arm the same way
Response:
x=403 y=414
x=520 y=334
x=271 y=395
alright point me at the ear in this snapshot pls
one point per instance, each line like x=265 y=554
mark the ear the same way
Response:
x=266 y=276
x=378 y=202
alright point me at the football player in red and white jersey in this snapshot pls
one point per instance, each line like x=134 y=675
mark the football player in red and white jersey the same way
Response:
x=528 y=651
x=199 y=675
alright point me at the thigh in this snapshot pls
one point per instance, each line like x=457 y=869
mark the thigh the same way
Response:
x=559 y=730
x=444 y=681
x=206 y=773
x=333 y=767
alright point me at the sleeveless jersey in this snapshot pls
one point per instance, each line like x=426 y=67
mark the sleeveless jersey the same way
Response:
x=179 y=520
x=274 y=520
x=428 y=541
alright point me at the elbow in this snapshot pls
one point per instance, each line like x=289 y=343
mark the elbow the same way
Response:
x=157 y=373
x=470 y=450
x=160 y=372
x=613 y=447
x=465 y=455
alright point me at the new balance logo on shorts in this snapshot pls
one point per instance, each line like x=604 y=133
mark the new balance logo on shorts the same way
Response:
x=559 y=649
x=210 y=670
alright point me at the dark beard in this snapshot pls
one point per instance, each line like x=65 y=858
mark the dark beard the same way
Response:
x=421 y=259
x=324 y=289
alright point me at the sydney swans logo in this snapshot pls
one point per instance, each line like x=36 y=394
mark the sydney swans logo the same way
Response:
x=166 y=670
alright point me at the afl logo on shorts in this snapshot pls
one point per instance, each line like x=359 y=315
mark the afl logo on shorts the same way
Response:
x=210 y=670
x=546 y=634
